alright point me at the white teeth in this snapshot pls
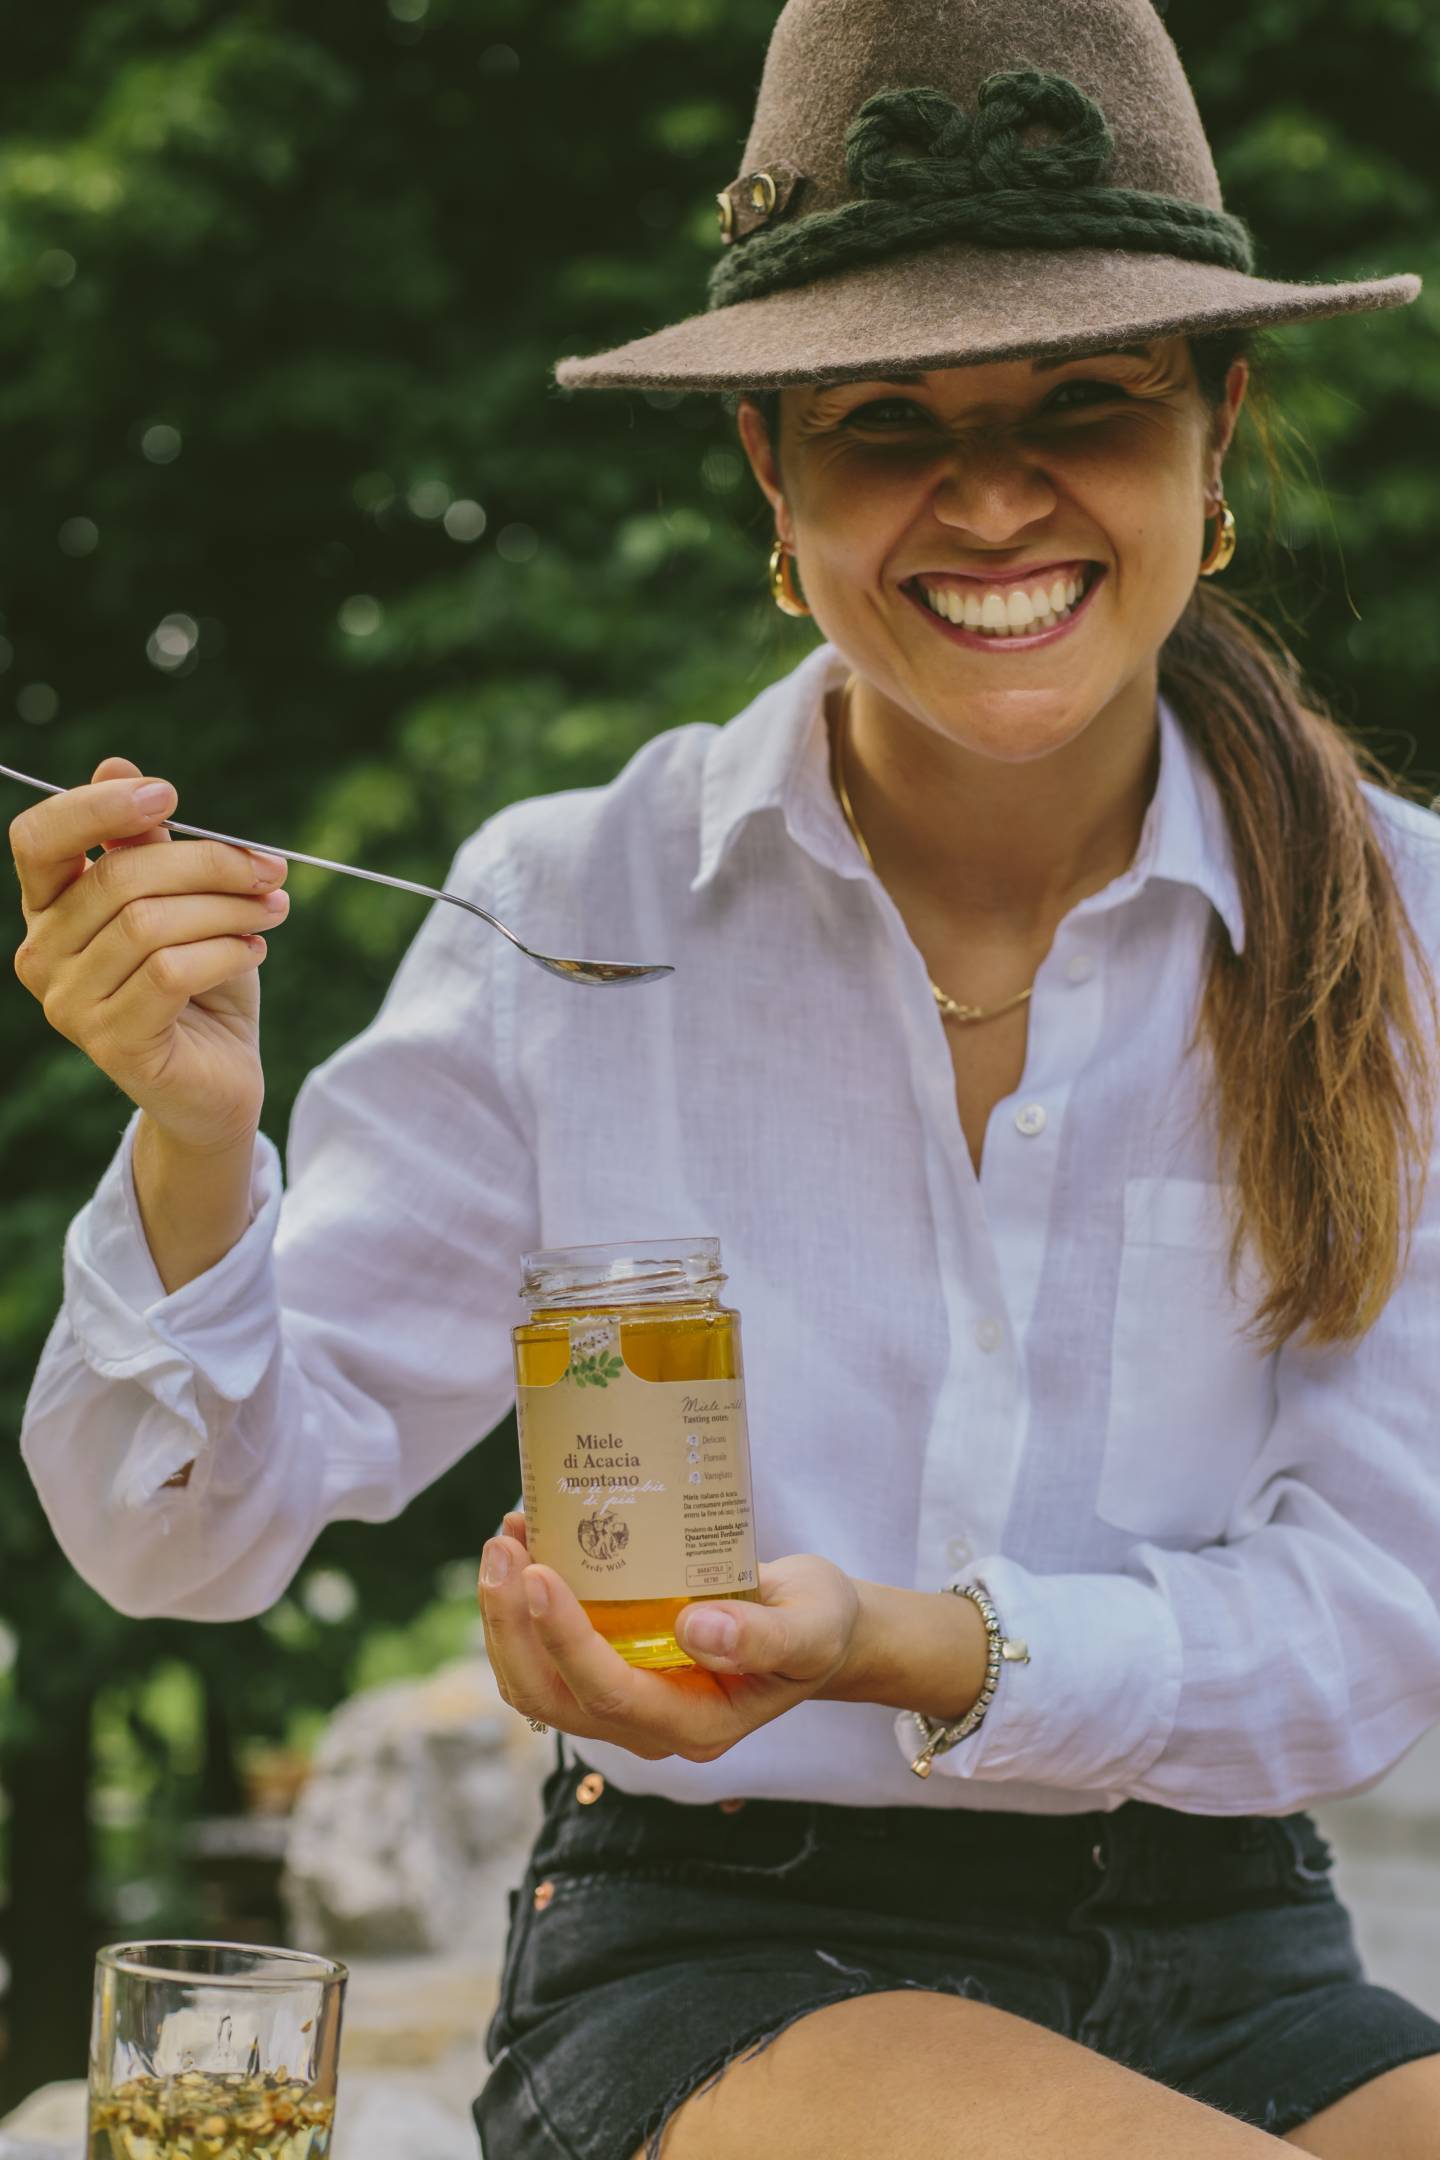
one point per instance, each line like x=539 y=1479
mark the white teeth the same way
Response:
x=1011 y=612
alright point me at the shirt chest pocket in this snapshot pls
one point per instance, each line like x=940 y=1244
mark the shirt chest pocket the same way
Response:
x=1191 y=1401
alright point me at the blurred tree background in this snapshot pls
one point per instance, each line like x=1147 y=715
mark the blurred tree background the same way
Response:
x=292 y=514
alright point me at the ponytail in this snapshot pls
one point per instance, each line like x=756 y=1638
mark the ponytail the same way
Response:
x=1321 y=1033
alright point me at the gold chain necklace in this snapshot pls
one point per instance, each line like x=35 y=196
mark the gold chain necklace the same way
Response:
x=950 y=1008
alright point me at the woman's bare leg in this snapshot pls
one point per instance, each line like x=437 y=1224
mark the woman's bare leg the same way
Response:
x=912 y=2075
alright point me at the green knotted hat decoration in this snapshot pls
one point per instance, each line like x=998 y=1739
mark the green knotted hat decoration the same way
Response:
x=925 y=171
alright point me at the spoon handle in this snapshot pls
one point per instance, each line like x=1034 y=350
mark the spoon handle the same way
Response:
x=255 y=847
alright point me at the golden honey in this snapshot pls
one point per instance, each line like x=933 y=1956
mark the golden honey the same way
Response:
x=634 y=1451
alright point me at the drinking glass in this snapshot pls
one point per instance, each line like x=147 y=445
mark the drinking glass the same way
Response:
x=213 y=2051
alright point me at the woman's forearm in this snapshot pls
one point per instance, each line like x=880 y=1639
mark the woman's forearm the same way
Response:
x=914 y=1650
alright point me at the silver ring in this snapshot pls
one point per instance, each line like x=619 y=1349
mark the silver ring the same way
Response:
x=536 y=1725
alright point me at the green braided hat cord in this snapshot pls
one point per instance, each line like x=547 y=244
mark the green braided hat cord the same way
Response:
x=925 y=172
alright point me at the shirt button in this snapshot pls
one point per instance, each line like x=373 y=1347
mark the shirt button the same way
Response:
x=958 y=1550
x=1081 y=968
x=1030 y=1120
x=987 y=1334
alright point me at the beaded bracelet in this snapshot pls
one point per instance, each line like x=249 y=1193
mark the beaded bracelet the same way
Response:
x=937 y=1735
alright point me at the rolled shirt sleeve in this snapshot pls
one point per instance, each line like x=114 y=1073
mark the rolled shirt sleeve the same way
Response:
x=350 y=1346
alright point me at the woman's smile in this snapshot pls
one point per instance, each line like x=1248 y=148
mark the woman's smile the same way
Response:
x=1008 y=612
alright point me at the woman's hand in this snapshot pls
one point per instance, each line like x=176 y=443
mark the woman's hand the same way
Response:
x=146 y=959
x=554 y=1665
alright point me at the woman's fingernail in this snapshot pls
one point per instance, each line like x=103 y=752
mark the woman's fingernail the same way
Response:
x=267 y=867
x=158 y=795
x=537 y=1597
x=715 y=1631
x=494 y=1566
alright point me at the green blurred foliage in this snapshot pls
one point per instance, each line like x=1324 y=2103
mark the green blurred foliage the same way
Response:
x=293 y=515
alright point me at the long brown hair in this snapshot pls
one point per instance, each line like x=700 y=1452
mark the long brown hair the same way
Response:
x=1321 y=1034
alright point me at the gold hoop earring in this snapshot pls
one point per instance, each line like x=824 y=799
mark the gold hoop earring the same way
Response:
x=782 y=586
x=1225 y=541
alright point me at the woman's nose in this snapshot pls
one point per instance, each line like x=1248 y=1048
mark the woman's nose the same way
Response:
x=991 y=491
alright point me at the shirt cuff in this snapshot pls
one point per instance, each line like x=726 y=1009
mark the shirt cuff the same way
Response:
x=221 y=1330
x=1096 y=1703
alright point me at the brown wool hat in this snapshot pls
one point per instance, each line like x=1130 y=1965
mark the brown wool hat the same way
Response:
x=931 y=183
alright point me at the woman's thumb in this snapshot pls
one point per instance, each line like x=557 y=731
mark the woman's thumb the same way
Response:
x=124 y=768
x=717 y=1634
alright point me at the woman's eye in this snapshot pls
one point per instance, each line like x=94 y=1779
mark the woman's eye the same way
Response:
x=1082 y=383
x=871 y=414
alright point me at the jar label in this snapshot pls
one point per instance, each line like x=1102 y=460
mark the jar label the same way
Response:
x=637 y=1488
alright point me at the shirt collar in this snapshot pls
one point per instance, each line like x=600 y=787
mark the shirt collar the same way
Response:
x=775 y=755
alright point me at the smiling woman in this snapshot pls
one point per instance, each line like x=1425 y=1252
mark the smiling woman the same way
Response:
x=1051 y=1041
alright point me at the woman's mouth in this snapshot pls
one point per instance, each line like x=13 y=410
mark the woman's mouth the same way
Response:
x=1010 y=614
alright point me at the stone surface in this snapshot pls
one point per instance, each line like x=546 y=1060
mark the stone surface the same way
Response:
x=423 y=1800
x=1387 y=1871
x=422 y=2016
x=50 y=2125
x=387 y=2122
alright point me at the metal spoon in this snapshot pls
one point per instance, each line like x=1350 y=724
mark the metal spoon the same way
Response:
x=604 y=972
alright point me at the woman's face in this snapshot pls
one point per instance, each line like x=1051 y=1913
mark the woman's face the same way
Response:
x=1001 y=550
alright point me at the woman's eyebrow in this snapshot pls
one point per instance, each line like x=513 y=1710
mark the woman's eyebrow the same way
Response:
x=1041 y=367
x=1111 y=352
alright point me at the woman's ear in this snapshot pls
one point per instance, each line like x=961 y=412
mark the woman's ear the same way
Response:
x=1227 y=417
x=764 y=463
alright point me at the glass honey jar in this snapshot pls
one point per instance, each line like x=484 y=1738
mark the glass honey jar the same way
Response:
x=634 y=1451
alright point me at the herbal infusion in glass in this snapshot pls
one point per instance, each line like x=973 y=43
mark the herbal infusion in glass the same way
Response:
x=634 y=1454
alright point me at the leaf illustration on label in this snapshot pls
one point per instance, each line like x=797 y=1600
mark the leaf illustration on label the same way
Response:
x=596 y=1371
x=602 y=1537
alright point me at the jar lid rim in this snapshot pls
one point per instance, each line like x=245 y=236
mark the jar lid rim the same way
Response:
x=631 y=1261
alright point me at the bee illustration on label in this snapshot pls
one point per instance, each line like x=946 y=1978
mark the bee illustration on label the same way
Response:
x=602 y=1537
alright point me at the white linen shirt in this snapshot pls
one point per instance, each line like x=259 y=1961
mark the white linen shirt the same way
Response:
x=1226 y=1565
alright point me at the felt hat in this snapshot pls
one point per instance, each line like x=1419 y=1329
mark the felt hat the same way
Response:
x=931 y=183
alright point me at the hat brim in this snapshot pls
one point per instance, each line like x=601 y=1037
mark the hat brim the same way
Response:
x=957 y=305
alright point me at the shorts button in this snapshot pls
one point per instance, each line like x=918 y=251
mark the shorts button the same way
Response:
x=729 y=1807
x=1097 y=1854
x=544 y=1891
x=589 y=1788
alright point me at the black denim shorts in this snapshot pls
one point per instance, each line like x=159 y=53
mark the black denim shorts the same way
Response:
x=652 y=1943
